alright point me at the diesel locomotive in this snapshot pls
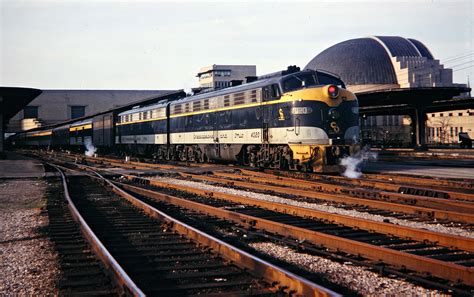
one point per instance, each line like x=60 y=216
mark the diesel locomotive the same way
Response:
x=297 y=120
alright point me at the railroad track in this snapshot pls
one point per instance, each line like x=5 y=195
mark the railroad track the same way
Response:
x=386 y=184
x=81 y=271
x=451 y=258
x=333 y=232
x=416 y=255
x=442 y=210
x=408 y=185
x=413 y=208
x=164 y=256
x=449 y=212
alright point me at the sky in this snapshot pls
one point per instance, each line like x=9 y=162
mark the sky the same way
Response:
x=150 y=45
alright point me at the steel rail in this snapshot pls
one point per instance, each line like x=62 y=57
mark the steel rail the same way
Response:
x=109 y=261
x=384 y=205
x=438 y=203
x=445 y=270
x=446 y=240
x=256 y=266
x=369 y=180
x=420 y=180
x=390 y=183
x=396 y=184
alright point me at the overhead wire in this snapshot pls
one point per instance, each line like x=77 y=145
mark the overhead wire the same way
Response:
x=457 y=56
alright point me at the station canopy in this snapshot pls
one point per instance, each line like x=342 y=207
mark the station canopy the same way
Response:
x=15 y=99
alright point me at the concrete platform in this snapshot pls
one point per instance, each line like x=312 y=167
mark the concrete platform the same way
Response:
x=17 y=166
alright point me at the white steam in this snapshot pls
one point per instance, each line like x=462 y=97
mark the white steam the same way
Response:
x=188 y=91
x=90 y=148
x=352 y=163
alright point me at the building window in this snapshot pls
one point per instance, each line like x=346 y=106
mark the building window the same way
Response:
x=441 y=115
x=450 y=114
x=432 y=115
x=455 y=131
x=221 y=73
x=460 y=114
x=30 y=112
x=374 y=121
x=78 y=111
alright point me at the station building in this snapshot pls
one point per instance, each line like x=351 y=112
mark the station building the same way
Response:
x=384 y=63
x=57 y=106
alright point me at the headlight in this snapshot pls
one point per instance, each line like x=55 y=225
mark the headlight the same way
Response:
x=333 y=91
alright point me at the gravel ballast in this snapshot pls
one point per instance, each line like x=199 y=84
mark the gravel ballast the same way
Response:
x=28 y=262
x=360 y=280
x=321 y=207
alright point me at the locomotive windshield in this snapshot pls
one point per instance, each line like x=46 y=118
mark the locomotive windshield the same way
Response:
x=326 y=79
x=299 y=81
x=304 y=80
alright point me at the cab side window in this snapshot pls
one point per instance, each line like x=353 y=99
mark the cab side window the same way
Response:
x=271 y=92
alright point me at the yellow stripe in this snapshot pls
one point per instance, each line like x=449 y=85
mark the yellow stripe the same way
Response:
x=299 y=95
x=141 y=121
x=46 y=133
x=82 y=127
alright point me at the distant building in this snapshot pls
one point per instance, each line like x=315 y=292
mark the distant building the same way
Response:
x=383 y=62
x=444 y=127
x=220 y=76
x=56 y=106
x=387 y=130
x=377 y=63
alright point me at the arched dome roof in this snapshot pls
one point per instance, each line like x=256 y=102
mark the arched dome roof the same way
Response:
x=367 y=60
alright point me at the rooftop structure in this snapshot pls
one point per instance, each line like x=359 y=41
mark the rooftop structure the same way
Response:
x=221 y=76
x=383 y=62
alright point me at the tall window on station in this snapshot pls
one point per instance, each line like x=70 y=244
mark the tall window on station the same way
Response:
x=30 y=112
x=78 y=111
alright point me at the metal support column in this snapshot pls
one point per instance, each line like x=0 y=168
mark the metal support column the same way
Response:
x=420 y=127
x=2 y=129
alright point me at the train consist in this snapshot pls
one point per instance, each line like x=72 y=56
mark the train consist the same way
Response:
x=298 y=120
